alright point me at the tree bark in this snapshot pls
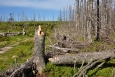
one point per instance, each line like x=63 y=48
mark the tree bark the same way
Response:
x=39 y=40
x=81 y=57
x=98 y=22
x=89 y=21
x=77 y=14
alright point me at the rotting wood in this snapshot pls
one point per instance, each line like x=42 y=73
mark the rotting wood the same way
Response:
x=25 y=70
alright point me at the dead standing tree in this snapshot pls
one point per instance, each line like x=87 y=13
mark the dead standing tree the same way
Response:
x=98 y=22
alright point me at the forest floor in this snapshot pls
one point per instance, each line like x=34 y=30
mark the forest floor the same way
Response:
x=4 y=49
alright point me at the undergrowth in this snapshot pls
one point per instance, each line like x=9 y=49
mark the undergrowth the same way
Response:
x=60 y=71
x=21 y=53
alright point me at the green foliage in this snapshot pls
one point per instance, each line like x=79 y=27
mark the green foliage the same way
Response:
x=106 y=72
x=22 y=52
x=59 y=71
x=3 y=41
x=4 y=38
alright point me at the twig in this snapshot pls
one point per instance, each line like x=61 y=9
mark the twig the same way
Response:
x=99 y=65
x=80 y=70
x=92 y=64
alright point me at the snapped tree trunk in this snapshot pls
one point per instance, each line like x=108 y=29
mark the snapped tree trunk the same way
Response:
x=39 y=40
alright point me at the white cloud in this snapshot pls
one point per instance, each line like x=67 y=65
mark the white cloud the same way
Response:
x=38 y=4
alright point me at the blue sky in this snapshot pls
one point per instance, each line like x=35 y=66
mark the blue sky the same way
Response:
x=47 y=8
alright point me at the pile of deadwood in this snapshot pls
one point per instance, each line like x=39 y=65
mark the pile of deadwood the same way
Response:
x=61 y=53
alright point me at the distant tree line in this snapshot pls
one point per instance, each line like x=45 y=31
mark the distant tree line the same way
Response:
x=22 y=16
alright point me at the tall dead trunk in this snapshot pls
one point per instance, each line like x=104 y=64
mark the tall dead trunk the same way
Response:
x=98 y=22
x=39 y=40
x=89 y=20
x=77 y=14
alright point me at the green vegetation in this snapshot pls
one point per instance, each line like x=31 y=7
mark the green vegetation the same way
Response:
x=59 y=71
x=104 y=72
x=21 y=53
x=98 y=46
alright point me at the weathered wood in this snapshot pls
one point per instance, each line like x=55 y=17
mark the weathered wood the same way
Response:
x=80 y=57
x=10 y=33
x=66 y=50
x=25 y=70
x=39 y=50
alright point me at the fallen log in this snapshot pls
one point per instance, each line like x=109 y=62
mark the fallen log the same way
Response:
x=85 y=57
x=11 y=33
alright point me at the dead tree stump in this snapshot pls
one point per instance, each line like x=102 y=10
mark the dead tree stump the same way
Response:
x=39 y=60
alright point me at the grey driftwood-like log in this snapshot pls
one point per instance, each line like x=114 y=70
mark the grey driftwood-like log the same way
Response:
x=85 y=57
x=39 y=40
x=66 y=50
x=11 y=33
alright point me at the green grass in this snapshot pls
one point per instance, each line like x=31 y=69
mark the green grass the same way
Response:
x=60 y=71
x=104 y=72
x=22 y=52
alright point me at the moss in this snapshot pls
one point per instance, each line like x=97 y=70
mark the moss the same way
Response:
x=59 y=71
x=106 y=72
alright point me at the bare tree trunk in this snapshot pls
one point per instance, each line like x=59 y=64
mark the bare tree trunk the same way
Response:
x=77 y=14
x=98 y=22
x=89 y=20
x=110 y=15
x=39 y=50
x=84 y=21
